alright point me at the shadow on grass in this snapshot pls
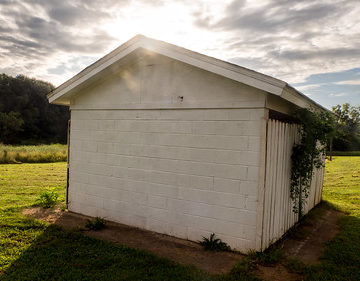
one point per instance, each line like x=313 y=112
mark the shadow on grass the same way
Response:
x=68 y=255
x=341 y=258
x=58 y=254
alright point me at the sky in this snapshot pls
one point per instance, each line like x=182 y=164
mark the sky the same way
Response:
x=313 y=45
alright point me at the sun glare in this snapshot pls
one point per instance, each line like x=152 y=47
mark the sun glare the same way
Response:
x=170 y=22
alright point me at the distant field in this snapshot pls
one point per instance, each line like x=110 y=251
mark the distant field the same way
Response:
x=10 y=154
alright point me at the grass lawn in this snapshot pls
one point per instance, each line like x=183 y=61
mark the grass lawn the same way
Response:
x=341 y=260
x=32 y=250
x=45 y=153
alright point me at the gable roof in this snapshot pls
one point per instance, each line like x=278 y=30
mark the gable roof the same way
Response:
x=60 y=95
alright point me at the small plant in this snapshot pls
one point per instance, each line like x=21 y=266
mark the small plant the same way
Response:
x=295 y=266
x=96 y=224
x=270 y=256
x=214 y=244
x=48 y=198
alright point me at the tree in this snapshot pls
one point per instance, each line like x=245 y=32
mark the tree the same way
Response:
x=42 y=122
x=10 y=125
x=347 y=120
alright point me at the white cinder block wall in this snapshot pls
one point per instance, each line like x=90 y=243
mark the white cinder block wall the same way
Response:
x=182 y=172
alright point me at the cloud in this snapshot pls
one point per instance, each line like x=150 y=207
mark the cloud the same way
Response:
x=290 y=40
x=348 y=82
x=274 y=16
x=42 y=37
x=313 y=45
x=35 y=34
x=339 y=95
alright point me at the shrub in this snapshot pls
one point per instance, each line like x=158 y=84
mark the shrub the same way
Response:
x=48 y=198
x=214 y=244
x=96 y=224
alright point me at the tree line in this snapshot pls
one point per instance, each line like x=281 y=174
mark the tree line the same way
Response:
x=347 y=127
x=26 y=117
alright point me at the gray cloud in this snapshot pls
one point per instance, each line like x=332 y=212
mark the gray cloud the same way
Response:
x=272 y=17
x=33 y=32
x=316 y=54
x=288 y=39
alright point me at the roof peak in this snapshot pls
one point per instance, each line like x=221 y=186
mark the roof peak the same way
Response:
x=217 y=66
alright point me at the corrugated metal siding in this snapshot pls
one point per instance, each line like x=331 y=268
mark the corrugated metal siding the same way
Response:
x=278 y=206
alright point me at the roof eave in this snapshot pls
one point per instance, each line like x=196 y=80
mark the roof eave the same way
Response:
x=300 y=99
x=231 y=71
x=61 y=94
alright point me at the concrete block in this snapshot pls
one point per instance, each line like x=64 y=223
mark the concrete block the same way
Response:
x=249 y=188
x=162 y=177
x=168 y=191
x=157 y=201
x=106 y=124
x=157 y=226
x=254 y=144
x=178 y=230
x=227 y=185
x=138 y=186
x=253 y=173
x=158 y=214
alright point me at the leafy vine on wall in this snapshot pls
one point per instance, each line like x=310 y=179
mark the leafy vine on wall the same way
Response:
x=316 y=127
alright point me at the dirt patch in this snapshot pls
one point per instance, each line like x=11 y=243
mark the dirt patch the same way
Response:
x=276 y=273
x=48 y=215
x=179 y=250
x=316 y=233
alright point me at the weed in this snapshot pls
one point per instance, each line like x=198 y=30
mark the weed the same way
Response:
x=48 y=198
x=243 y=271
x=214 y=244
x=295 y=265
x=96 y=224
x=270 y=256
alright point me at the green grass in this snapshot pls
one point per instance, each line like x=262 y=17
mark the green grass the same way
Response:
x=342 y=184
x=33 y=250
x=20 y=186
x=10 y=154
x=341 y=260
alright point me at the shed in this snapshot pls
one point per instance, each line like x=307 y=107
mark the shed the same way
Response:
x=173 y=141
